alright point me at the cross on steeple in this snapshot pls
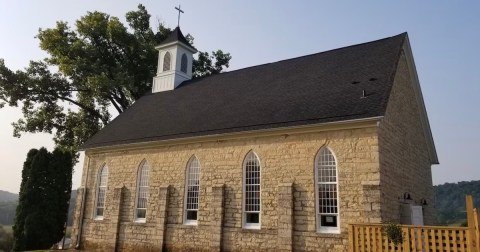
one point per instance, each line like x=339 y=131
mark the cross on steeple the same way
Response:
x=179 y=11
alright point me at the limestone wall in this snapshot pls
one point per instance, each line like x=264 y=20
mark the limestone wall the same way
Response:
x=287 y=175
x=404 y=160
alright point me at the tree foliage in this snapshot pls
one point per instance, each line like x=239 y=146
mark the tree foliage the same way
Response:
x=450 y=200
x=100 y=64
x=6 y=240
x=43 y=199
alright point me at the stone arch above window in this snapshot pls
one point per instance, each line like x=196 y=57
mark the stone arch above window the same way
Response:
x=167 y=61
x=192 y=191
x=102 y=180
x=141 y=202
x=184 y=63
x=251 y=191
x=326 y=193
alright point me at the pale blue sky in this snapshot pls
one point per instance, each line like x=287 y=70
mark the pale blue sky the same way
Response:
x=445 y=39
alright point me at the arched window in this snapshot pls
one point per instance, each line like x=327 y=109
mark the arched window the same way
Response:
x=102 y=180
x=166 y=61
x=326 y=184
x=184 y=63
x=192 y=190
x=142 y=192
x=251 y=191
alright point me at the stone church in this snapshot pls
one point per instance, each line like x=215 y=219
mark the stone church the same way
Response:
x=275 y=157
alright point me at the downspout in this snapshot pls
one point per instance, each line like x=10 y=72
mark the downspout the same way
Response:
x=82 y=206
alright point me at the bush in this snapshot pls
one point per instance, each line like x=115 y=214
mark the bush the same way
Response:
x=6 y=239
x=393 y=231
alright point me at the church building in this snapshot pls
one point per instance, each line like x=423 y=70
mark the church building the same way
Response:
x=275 y=157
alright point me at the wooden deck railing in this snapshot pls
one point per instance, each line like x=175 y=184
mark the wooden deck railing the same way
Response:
x=369 y=237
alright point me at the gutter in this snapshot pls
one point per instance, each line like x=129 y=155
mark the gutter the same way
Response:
x=82 y=206
x=233 y=135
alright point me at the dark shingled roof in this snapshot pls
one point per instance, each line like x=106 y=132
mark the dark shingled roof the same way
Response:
x=176 y=35
x=317 y=88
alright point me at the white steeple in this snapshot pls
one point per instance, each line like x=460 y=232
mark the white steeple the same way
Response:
x=175 y=58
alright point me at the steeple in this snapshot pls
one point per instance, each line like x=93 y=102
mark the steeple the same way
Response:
x=175 y=58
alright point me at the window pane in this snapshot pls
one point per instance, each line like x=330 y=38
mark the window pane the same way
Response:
x=142 y=193
x=252 y=194
x=328 y=220
x=166 y=62
x=252 y=218
x=141 y=213
x=184 y=63
x=327 y=197
x=191 y=215
x=193 y=185
x=101 y=190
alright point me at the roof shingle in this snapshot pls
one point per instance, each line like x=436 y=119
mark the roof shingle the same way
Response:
x=317 y=88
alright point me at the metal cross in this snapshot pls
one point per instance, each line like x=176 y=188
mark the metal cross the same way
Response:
x=179 y=10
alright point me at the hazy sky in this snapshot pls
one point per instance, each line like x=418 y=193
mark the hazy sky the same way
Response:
x=445 y=39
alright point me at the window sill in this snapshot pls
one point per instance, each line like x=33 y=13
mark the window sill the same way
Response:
x=329 y=231
x=191 y=223
x=251 y=227
x=140 y=221
x=98 y=218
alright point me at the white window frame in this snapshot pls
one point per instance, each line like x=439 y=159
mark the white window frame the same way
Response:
x=184 y=63
x=318 y=214
x=167 y=67
x=247 y=225
x=99 y=186
x=143 y=164
x=188 y=181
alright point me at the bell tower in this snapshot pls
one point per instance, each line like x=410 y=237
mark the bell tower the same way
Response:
x=175 y=60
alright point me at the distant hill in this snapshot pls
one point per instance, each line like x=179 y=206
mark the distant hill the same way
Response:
x=9 y=202
x=8 y=196
x=450 y=200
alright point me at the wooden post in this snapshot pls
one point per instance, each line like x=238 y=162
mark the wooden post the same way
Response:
x=350 y=238
x=477 y=228
x=471 y=238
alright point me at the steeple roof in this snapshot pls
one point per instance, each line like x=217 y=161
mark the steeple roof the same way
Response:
x=177 y=36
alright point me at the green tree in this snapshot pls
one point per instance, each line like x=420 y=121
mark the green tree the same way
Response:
x=101 y=64
x=450 y=200
x=43 y=200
